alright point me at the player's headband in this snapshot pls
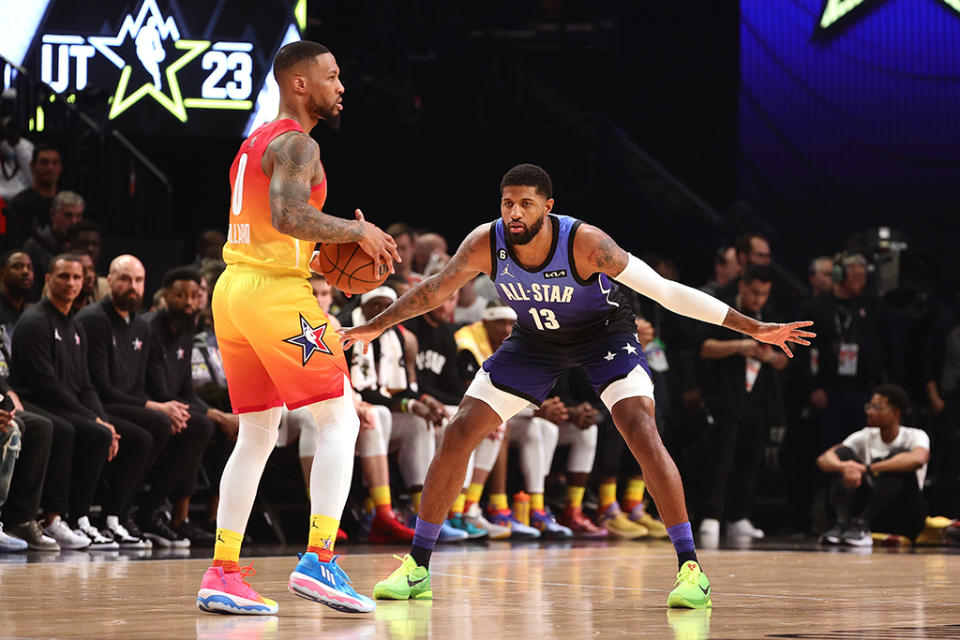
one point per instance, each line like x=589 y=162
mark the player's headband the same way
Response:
x=379 y=292
x=498 y=313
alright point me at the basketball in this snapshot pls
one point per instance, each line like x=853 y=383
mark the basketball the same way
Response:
x=349 y=268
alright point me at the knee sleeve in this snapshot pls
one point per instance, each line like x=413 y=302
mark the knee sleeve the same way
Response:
x=376 y=441
x=241 y=476
x=338 y=427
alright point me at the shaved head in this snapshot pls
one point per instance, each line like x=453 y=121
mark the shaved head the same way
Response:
x=126 y=278
x=124 y=262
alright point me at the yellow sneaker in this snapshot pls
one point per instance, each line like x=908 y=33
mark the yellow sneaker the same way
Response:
x=619 y=525
x=656 y=528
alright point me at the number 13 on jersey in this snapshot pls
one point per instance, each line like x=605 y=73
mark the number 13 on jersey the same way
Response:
x=549 y=318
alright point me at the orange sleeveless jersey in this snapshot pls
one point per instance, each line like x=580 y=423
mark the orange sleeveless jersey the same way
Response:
x=252 y=239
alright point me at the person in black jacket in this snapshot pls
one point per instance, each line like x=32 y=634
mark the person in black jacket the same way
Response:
x=49 y=370
x=118 y=350
x=743 y=392
x=169 y=378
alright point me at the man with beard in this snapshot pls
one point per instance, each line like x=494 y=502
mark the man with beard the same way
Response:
x=169 y=379
x=275 y=340
x=49 y=367
x=118 y=347
x=16 y=279
x=560 y=277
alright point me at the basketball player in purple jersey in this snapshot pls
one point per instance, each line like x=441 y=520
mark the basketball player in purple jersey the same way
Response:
x=562 y=278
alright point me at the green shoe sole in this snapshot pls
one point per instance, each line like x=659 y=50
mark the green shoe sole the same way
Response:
x=677 y=601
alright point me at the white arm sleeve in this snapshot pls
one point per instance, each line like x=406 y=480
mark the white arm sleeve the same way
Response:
x=674 y=296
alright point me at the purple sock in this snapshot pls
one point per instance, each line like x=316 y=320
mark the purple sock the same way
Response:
x=681 y=535
x=424 y=540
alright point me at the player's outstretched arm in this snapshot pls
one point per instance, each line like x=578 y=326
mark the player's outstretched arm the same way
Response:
x=471 y=258
x=596 y=252
x=291 y=161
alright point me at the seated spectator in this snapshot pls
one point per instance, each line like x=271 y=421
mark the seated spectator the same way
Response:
x=406 y=239
x=16 y=279
x=117 y=351
x=170 y=376
x=429 y=252
x=31 y=207
x=209 y=247
x=878 y=474
x=86 y=237
x=49 y=366
x=25 y=440
x=16 y=153
x=470 y=304
x=65 y=210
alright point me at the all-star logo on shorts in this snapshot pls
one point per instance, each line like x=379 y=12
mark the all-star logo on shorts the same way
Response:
x=310 y=339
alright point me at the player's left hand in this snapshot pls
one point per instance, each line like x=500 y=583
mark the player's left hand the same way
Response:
x=364 y=333
x=780 y=334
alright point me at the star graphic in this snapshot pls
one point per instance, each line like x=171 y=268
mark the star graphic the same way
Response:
x=610 y=356
x=629 y=348
x=836 y=11
x=137 y=344
x=149 y=17
x=310 y=339
x=76 y=337
x=180 y=353
x=56 y=334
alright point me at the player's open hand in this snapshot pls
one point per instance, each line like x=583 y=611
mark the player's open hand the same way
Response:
x=379 y=245
x=780 y=334
x=364 y=333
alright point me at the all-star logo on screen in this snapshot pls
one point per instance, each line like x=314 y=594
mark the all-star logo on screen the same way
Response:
x=151 y=61
x=839 y=12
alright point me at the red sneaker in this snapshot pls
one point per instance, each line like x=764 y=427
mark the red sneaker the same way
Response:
x=229 y=592
x=581 y=526
x=386 y=529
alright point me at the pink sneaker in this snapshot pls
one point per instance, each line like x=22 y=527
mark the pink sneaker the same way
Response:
x=229 y=593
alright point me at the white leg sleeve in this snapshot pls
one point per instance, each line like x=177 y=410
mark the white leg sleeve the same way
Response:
x=550 y=435
x=583 y=446
x=375 y=442
x=415 y=443
x=485 y=455
x=241 y=475
x=301 y=421
x=527 y=435
x=337 y=424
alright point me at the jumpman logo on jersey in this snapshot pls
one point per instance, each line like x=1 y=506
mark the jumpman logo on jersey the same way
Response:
x=506 y=272
x=310 y=340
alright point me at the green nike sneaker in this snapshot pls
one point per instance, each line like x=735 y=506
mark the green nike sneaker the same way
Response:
x=692 y=590
x=409 y=582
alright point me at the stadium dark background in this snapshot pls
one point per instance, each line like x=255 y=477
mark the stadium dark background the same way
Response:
x=441 y=100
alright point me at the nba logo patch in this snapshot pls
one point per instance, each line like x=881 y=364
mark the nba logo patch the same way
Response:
x=310 y=339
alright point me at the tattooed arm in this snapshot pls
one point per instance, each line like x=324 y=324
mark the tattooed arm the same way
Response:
x=291 y=160
x=596 y=252
x=471 y=258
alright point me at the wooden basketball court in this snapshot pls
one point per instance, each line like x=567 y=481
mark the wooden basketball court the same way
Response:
x=501 y=591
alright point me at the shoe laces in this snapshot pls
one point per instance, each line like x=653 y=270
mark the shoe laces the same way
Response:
x=247 y=572
x=687 y=575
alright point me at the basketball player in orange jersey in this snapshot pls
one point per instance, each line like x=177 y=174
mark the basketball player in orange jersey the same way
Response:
x=275 y=340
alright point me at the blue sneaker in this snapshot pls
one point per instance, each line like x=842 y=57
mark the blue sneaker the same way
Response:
x=547 y=525
x=449 y=533
x=326 y=583
x=473 y=533
x=518 y=530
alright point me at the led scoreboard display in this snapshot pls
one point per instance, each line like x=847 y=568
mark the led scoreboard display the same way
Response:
x=187 y=67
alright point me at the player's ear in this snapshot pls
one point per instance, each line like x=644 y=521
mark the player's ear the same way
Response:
x=549 y=205
x=299 y=83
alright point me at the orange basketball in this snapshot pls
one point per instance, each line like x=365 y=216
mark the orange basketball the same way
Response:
x=349 y=268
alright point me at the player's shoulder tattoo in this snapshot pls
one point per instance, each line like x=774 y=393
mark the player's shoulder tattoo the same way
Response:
x=600 y=251
x=294 y=152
